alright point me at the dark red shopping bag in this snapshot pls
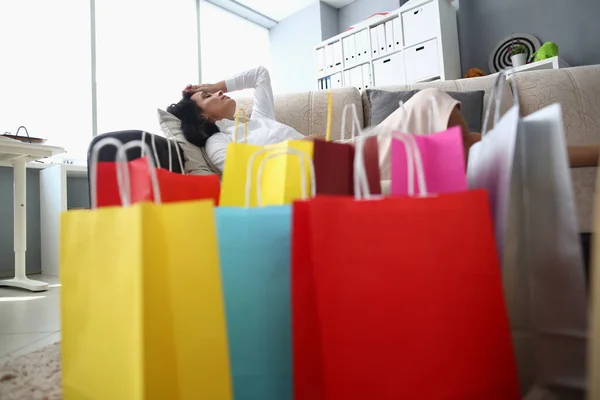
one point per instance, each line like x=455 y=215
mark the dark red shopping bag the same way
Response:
x=174 y=187
x=334 y=167
x=399 y=298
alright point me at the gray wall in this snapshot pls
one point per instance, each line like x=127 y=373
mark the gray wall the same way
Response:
x=361 y=9
x=329 y=21
x=77 y=197
x=572 y=24
x=293 y=43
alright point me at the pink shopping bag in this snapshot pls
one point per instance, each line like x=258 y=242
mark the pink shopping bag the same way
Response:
x=443 y=160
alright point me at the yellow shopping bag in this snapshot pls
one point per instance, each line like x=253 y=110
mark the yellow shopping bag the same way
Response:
x=280 y=179
x=142 y=302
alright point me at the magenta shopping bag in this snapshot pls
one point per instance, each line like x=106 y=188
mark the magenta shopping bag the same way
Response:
x=443 y=159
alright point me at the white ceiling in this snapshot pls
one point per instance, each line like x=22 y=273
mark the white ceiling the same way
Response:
x=338 y=3
x=281 y=9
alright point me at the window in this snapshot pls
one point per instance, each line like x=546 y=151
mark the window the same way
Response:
x=45 y=83
x=230 y=44
x=146 y=52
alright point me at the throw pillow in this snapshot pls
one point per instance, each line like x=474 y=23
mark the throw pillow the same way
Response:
x=196 y=159
x=384 y=103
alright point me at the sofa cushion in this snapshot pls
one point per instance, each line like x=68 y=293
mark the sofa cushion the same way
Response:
x=578 y=92
x=307 y=112
x=196 y=160
x=461 y=85
x=383 y=103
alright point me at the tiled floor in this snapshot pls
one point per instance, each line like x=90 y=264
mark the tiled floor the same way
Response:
x=28 y=320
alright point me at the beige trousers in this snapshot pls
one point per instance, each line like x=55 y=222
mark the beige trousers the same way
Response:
x=426 y=112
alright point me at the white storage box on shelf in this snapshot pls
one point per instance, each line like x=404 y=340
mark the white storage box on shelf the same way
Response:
x=417 y=42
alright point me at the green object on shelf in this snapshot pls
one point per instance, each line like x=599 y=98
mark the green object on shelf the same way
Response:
x=548 y=50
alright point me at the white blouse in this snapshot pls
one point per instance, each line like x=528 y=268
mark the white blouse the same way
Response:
x=263 y=129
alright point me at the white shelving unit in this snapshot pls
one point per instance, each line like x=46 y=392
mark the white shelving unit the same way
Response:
x=417 y=42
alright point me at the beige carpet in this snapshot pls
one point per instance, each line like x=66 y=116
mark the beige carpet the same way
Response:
x=33 y=376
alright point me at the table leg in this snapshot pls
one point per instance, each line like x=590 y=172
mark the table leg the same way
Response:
x=20 y=231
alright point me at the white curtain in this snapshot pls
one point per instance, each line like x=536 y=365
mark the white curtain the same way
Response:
x=147 y=51
x=230 y=44
x=45 y=71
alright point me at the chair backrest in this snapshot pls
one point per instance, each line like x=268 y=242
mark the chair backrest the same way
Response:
x=109 y=153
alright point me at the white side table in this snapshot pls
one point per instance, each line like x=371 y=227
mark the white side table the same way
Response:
x=53 y=201
x=550 y=63
x=18 y=154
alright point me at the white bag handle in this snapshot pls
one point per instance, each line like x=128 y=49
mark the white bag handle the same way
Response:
x=413 y=159
x=275 y=152
x=177 y=150
x=355 y=122
x=94 y=172
x=497 y=92
x=155 y=152
x=123 y=167
x=414 y=163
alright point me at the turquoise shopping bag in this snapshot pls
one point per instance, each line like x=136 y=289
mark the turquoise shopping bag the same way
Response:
x=254 y=247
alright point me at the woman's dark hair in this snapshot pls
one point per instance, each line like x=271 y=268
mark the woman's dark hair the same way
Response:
x=196 y=128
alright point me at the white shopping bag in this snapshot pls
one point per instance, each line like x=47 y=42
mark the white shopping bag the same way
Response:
x=523 y=164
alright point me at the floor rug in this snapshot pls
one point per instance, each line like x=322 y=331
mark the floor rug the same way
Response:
x=32 y=376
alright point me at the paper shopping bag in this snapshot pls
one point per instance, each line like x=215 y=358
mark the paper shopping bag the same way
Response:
x=174 y=186
x=389 y=304
x=333 y=163
x=443 y=160
x=254 y=246
x=142 y=304
x=593 y=354
x=280 y=179
x=523 y=165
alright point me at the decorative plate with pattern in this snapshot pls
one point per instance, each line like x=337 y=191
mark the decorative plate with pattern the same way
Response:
x=500 y=57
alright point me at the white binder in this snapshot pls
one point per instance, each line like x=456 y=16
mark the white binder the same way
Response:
x=336 y=80
x=320 y=63
x=381 y=39
x=374 y=43
x=347 y=79
x=398 y=38
x=366 y=76
x=389 y=36
x=352 y=48
x=329 y=61
x=337 y=56
x=362 y=46
x=346 y=48
x=356 y=77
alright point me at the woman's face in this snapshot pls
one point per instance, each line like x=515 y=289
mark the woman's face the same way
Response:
x=216 y=106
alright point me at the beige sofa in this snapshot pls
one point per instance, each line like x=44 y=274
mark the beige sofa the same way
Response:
x=577 y=89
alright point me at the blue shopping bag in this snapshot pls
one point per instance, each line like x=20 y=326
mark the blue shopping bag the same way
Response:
x=254 y=248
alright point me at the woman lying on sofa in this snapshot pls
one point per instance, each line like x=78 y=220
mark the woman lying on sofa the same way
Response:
x=207 y=119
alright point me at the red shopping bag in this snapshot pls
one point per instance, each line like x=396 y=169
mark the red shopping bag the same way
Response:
x=399 y=298
x=334 y=163
x=174 y=187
